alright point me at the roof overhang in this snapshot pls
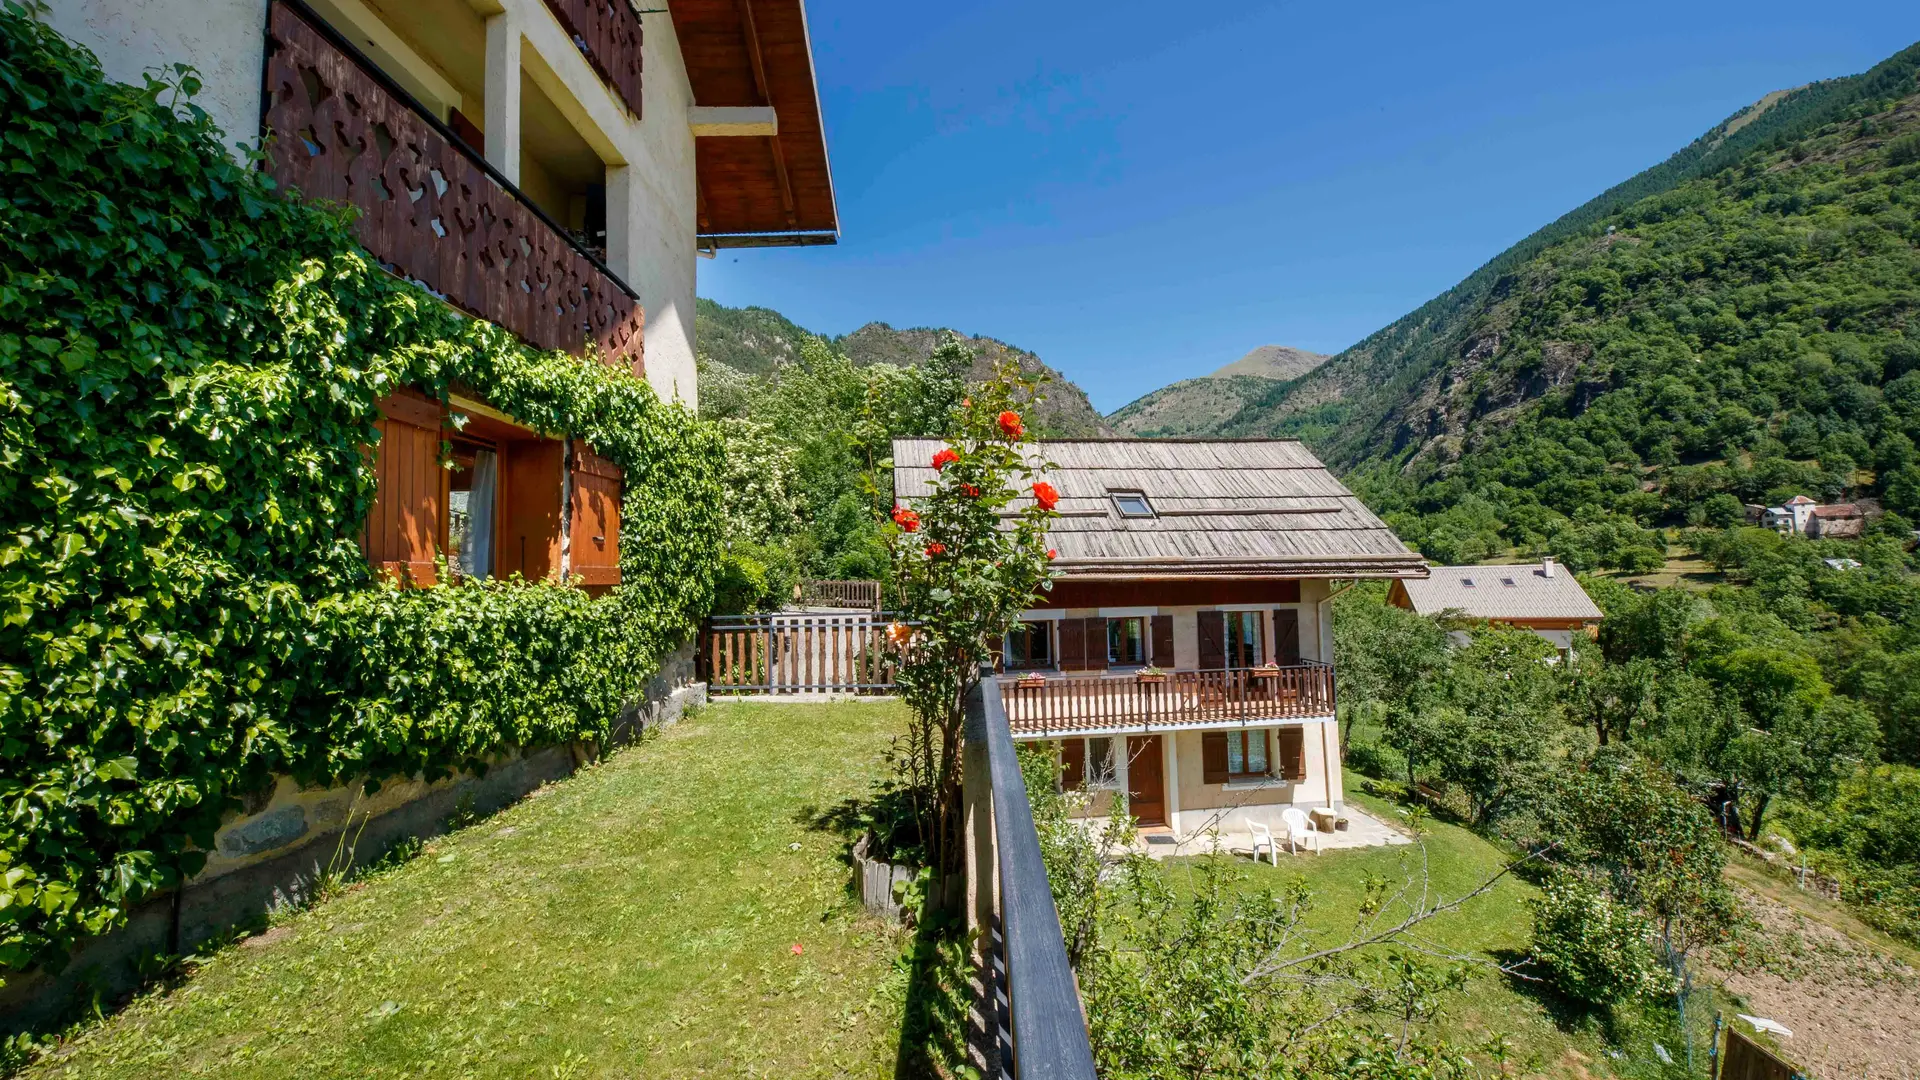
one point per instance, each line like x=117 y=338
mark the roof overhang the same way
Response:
x=756 y=189
x=1186 y=568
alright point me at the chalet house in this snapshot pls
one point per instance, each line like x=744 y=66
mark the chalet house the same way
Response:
x=1185 y=655
x=552 y=166
x=1542 y=597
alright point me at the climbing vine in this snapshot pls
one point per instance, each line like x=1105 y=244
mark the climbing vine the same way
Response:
x=189 y=368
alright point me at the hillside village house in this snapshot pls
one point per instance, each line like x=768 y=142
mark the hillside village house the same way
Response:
x=553 y=166
x=1542 y=597
x=1185 y=655
x=1801 y=516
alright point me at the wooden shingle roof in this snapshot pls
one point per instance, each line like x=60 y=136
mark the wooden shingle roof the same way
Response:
x=1221 y=508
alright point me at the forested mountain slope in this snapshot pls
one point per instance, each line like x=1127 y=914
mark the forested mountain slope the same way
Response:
x=758 y=341
x=1739 y=336
x=1343 y=407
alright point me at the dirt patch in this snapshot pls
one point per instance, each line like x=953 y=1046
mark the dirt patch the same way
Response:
x=1854 y=1010
x=262 y=940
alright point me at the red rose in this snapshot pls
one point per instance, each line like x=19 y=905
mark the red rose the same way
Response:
x=1010 y=424
x=944 y=458
x=1052 y=554
x=936 y=548
x=906 y=518
x=970 y=491
x=1044 y=494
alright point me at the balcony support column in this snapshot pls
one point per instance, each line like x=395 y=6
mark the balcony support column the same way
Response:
x=503 y=95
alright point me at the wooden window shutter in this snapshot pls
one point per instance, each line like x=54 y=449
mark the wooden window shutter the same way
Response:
x=593 y=545
x=1162 y=654
x=528 y=542
x=1213 y=642
x=1286 y=636
x=1073 y=644
x=1097 y=644
x=1293 y=752
x=1213 y=757
x=1073 y=763
x=405 y=528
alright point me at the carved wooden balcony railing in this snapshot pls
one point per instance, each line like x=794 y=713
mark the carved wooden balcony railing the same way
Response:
x=608 y=34
x=430 y=209
x=1064 y=704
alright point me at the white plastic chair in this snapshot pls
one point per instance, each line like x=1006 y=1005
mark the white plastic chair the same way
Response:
x=1263 y=836
x=1299 y=828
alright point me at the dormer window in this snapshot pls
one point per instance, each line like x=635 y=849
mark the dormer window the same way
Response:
x=1132 y=504
x=1508 y=582
x=1466 y=583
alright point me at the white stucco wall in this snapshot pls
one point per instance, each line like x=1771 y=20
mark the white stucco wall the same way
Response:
x=224 y=39
x=650 y=180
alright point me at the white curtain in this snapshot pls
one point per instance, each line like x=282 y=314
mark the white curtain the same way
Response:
x=476 y=554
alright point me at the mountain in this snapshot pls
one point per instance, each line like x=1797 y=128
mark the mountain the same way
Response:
x=1277 y=362
x=757 y=340
x=1738 y=324
x=1198 y=406
x=1341 y=407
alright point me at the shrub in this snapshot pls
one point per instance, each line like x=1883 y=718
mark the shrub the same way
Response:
x=1595 y=948
x=1904 y=150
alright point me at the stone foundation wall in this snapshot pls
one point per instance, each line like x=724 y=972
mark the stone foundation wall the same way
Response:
x=271 y=853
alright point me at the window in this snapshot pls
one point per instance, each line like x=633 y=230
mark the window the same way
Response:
x=470 y=509
x=1246 y=754
x=1126 y=641
x=1089 y=762
x=1466 y=583
x=1243 y=639
x=1030 y=645
x=1132 y=504
x=1508 y=582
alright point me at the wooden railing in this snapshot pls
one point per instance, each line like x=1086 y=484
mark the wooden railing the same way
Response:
x=432 y=210
x=607 y=33
x=1067 y=703
x=864 y=595
x=795 y=653
x=1031 y=1003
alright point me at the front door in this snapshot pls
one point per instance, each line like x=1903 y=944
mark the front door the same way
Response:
x=1146 y=780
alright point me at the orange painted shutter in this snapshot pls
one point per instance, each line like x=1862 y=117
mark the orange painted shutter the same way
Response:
x=529 y=538
x=404 y=529
x=593 y=549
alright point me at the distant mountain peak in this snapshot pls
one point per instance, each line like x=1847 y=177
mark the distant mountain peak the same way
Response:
x=1273 y=362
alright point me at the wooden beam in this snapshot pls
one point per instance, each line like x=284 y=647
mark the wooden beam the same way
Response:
x=752 y=35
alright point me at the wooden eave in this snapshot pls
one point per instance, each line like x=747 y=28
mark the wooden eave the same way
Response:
x=758 y=191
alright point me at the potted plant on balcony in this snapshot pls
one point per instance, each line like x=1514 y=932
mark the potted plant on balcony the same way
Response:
x=1268 y=670
x=1150 y=675
x=1029 y=680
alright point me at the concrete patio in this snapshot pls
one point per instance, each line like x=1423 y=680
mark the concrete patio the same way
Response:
x=1363 y=830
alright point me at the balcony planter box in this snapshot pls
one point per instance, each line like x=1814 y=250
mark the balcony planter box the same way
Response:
x=1031 y=682
x=1151 y=680
x=1264 y=672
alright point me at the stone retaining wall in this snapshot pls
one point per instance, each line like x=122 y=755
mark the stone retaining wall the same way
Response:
x=273 y=851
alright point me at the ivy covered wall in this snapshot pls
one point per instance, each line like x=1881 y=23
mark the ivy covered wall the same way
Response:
x=189 y=366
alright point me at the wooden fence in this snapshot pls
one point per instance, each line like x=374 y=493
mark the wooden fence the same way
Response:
x=1745 y=1059
x=1065 y=703
x=861 y=595
x=799 y=653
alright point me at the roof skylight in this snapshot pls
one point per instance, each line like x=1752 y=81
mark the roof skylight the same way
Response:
x=1132 y=504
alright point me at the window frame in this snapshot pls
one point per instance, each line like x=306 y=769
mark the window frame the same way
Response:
x=1146 y=505
x=1239 y=737
x=1254 y=649
x=1094 y=779
x=1029 y=629
x=1139 y=636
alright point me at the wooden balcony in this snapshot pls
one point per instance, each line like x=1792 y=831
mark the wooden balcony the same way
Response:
x=432 y=210
x=608 y=34
x=1070 y=704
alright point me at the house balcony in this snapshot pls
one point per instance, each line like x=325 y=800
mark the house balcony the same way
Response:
x=1050 y=705
x=431 y=208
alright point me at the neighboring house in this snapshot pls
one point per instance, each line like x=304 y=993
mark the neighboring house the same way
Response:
x=1542 y=597
x=552 y=166
x=1837 y=521
x=1214 y=562
x=1789 y=518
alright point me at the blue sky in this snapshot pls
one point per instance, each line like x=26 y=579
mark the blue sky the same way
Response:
x=1142 y=192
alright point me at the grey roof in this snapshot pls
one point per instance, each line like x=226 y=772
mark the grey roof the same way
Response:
x=1531 y=594
x=1263 y=507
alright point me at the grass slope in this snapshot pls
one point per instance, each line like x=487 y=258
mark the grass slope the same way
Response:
x=638 y=919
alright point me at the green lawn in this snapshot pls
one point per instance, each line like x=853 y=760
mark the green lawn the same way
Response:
x=1549 y=1037
x=638 y=919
